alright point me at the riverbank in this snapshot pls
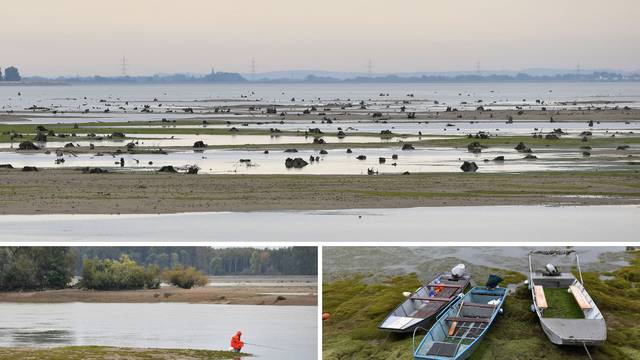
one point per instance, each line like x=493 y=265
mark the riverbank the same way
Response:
x=72 y=192
x=260 y=295
x=103 y=353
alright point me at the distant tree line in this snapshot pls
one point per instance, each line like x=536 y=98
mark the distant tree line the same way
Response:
x=10 y=74
x=212 y=261
x=227 y=77
x=218 y=77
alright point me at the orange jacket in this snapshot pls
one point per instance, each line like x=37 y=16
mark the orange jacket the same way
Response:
x=236 y=343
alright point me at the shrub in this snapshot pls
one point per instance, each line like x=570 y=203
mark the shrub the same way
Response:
x=122 y=274
x=184 y=277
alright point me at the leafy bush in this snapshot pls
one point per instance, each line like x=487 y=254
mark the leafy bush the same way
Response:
x=123 y=274
x=185 y=277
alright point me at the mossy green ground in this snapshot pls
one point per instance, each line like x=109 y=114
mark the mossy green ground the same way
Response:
x=358 y=304
x=142 y=127
x=561 y=304
x=102 y=353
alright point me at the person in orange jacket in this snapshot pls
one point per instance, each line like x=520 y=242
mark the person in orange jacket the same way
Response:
x=236 y=343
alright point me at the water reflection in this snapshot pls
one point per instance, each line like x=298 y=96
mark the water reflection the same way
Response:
x=290 y=332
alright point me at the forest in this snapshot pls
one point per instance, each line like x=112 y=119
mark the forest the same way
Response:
x=40 y=268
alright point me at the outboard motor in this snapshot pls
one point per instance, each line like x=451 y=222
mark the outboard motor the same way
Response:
x=493 y=281
x=458 y=270
x=551 y=270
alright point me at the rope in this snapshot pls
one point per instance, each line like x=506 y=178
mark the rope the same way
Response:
x=587 y=350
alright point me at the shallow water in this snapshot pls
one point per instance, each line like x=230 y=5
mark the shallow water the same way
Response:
x=428 y=261
x=201 y=96
x=425 y=224
x=290 y=332
x=335 y=162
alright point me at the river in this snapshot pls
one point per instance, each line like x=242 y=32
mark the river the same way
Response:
x=279 y=332
x=423 y=224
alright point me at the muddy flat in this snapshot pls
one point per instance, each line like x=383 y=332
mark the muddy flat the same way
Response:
x=72 y=192
x=297 y=296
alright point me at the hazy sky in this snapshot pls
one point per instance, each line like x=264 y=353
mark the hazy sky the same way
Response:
x=86 y=37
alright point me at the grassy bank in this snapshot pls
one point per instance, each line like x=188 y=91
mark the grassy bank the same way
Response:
x=358 y=304
x=104 y=353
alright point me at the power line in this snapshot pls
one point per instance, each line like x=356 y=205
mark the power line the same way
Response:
x=253 y=68
x=578 y=69
x=123 y=66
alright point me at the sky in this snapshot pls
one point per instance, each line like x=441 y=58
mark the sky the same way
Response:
x=88 y=37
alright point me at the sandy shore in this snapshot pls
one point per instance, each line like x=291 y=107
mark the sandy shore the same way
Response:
x=71 y=192
x=260 y=295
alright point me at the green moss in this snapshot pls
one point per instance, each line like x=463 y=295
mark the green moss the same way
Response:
x=562 y=304
x=357 y=305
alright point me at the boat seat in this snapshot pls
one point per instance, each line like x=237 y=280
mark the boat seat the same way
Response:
x=541 y=300
x=489 y=306
x=468 y=319
x=580 y=299
x=443 y=349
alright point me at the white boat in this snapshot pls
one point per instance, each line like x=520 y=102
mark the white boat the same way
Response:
x=581 y=323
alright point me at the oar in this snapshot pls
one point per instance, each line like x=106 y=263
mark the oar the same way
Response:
x=454 y=324
x=264 y=346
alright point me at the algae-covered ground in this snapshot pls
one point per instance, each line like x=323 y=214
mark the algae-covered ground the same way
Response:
x=102 y=353
x=561 y=304
x=357 y=304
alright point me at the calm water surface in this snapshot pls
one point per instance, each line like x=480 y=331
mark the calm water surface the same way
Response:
x=423 y=224
x=287 y=332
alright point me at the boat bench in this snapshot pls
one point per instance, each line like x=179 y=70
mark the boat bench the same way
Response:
x=580 y=299
x=468 y=319
x=541 y=300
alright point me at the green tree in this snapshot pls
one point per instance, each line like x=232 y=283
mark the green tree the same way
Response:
x=215 y=266
x=12 y=74
x=122 y=274
x=35 y=268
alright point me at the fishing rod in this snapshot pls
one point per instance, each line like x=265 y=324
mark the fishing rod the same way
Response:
x=265 y=346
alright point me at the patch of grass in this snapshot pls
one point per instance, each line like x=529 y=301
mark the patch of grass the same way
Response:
x=103 y=353
x=561 y=304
